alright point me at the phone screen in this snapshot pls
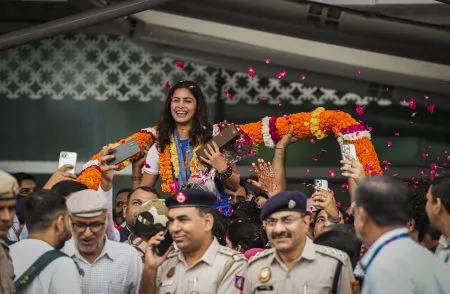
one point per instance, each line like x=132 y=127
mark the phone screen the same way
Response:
x=66 y=157
x=162 y=247
x=124 y=151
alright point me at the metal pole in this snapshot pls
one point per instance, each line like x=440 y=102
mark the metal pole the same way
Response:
x=76 y=21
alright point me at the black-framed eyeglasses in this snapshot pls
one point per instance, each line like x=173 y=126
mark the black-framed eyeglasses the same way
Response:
x=80 y=227
x=285 y=220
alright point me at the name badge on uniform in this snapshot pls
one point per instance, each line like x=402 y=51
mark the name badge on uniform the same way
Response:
x=166 y=283
x=264 y=288
x=239 y=282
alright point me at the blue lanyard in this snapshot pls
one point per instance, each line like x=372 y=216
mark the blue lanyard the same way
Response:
x=185 y=172
x=378 y=249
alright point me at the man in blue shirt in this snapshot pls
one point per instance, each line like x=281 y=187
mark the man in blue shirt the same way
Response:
x=394 y=262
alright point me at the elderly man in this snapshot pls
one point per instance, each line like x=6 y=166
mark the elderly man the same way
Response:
x=48 y=222
x=105 y=266
x=8 y=191
x=200 y=264
x=394 y=263
x=295 y=264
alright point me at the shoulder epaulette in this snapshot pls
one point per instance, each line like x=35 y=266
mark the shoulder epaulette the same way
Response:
x=261 y=255
x=172 y=254
x=230 y=252
x=332 y=252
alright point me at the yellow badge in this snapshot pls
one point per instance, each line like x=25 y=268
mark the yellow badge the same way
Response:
x=265 y=275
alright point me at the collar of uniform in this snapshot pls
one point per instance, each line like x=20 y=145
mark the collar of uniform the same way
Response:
x=444 y=242
x=71 y=250
x=309 y=252
x=386 y=236
x=208 y=256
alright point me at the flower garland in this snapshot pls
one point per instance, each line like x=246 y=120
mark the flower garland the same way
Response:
x=267 y=131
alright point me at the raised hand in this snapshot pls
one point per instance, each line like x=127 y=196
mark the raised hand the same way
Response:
x=266 y=178
x=353 y=169
x=106 y=169
x=215 y=158
x=287 y=139
x=324 y=199
x=59 y=175
x=153 y=260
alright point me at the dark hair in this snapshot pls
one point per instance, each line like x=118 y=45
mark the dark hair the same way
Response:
x=341 y=240
x=246 y=233
x=385 y=199
x=23 y=176
x=201 y=131
x=417 y=212
x=67 y=187
x=440 y=188
x=124 y=190
x=145 y=188
x=247 y=209
x=42 y=207
x=433 y=233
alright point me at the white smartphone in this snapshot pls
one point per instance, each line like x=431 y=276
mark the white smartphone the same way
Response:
x=66 y=157
x=348 y=150
x=320 y=184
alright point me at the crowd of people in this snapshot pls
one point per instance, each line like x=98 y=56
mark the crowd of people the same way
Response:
x=225 y=234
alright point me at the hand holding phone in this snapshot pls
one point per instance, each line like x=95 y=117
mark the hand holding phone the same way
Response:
x=123 y=152
x=348 y=150
x=164 y=245
x=70 y=158
x=152 y=259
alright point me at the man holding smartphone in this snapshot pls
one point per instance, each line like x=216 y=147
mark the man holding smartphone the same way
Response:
x=200 y=264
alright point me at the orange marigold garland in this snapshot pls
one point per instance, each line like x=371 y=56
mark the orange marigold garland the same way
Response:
x=268 y=131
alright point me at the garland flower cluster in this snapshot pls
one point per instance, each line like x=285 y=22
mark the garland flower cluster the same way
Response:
x=268 y=131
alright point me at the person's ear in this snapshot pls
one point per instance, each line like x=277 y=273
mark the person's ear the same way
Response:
x=439 y=206
x=124 y=210
x=411 y=225
x=209 y=221
x=306 y=221
x=60 y=223
x=239 y=248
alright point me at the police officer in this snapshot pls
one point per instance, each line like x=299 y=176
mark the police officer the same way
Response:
x=199 y=264
x=8 y=191
x=295 y=264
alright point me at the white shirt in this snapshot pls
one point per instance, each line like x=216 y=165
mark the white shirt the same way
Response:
x=118 y=269
x=443 y=249
x=60 y=276
x=111 y=232
x=403 y=266
x=12 y=235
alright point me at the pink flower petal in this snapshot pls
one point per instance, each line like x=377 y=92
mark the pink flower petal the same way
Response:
x=344 y=186
x=448 y=158
x=313 y=141
x=424 y=155
x=430 y=108
x=286 y=117
x=331 y=172
x=389 y=144
x=228 y=94
x=267 y=60
x=307 y=171
x=433 y=166
x=281 y=74
x=358 y=72
x=302 y=77
x=179 y=64
x=412 y=103
x=251 y=72
x=397 y=134
x=167 y=85
x=146 y=165
x=360 y=109
x=315 y=159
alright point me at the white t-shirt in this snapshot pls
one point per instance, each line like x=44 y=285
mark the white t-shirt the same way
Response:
x=60 y=276
x=152 y=161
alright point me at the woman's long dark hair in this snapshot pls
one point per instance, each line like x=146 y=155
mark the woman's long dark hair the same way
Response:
x=201 y=130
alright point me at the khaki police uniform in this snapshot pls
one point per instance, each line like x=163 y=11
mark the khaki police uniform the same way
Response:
x=220 y=270
x=312 y=273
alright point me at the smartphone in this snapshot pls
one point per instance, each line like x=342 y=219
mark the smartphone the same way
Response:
x=320 y=184
x=124 y=151
x=348 y=150
x=165 y=244
x=66 y=157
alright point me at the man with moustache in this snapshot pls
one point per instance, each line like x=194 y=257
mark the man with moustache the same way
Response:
x=295 y=264
x=105 y=266
x=8 y=191
x=39 y=266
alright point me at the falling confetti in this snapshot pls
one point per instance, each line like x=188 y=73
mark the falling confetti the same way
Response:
x=315 y=159
x=360 y=109
x=281 y=74
x=433 y=166
x=286 y=117
x=167 y=85
x=412 y=103
x=267 y=60
x=430 y=108
x=344 y=186
x=397 y=134
x=389 y=144
x=331 y=172
x=313 y=141
x=302 y=77
x=307 y=171
x=228 y=94
x=179 y=64
x=146 y=165
x=358 y=72
x=251 y=72
x=424 y=155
